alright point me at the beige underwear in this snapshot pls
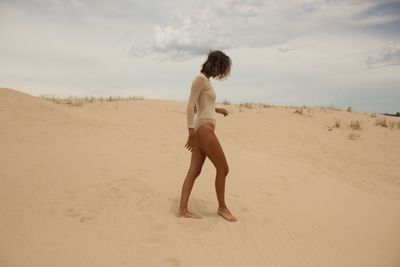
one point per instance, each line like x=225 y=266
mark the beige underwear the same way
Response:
x=199 y=122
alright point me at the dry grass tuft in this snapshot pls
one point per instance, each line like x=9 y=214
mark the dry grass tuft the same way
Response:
x=252 y=105
x=353 y=136
x=304 y=110
x=356 y=125
x=391 y=124
x=299 y=111
x=248 y=105
x=263 y=105
x=329 y=108
x=381 y=122
x=335 y=125
x=80 y=101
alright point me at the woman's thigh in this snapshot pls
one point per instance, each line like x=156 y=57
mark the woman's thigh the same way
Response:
x=197 y=160
x=209 y=144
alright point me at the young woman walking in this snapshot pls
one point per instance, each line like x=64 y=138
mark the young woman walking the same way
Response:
x=202 y=140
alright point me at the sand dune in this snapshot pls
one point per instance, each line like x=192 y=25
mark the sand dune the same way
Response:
x=99 y=185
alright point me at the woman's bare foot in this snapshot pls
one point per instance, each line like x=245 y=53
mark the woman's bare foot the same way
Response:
x=188 y=214
x=224 y=212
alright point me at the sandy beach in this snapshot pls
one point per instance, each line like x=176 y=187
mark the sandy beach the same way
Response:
x=99 y=185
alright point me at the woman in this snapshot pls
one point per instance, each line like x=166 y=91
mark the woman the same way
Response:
x=202 y=140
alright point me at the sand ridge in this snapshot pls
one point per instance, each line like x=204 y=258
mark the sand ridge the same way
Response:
x=99 y=185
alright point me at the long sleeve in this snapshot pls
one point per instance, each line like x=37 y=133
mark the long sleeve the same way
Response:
x=197 y=87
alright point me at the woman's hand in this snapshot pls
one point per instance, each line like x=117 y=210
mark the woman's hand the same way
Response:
x=222 y=111
x=190 y=142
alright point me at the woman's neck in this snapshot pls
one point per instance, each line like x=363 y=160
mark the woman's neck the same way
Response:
x=205 y=75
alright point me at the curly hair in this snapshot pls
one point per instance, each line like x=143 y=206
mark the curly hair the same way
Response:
x=218 y=65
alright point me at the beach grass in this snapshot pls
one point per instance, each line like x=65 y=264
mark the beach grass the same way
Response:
x=356 y=125
x=75 y=101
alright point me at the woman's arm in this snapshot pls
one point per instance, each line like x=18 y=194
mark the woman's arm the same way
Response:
x=221 y=111
x=197 y=86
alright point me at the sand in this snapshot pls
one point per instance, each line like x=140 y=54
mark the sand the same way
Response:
x=99 y=185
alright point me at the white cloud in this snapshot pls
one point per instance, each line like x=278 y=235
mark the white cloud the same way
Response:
x=389 y=55
x=191 y=38
x=224 y=24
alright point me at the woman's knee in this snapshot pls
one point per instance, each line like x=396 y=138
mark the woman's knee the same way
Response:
x=223 y=170
x=194 y=173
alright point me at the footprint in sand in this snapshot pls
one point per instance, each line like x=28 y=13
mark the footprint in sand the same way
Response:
x=35 y=168
x=151 y=240
x=160 y=228
x=171 y=261
x=267 y=196
x=284 y=184
x=106 y=196
x=84 y=214
x=87 y=218
x=141 y=172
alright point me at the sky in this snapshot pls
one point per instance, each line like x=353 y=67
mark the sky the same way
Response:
x=341 y=53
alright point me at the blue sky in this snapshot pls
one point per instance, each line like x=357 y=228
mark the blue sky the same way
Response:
x=303 y=52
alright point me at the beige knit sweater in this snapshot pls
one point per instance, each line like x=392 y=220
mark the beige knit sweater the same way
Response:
x=202 y=96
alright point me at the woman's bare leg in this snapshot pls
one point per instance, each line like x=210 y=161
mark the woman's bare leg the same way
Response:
x=196 y=163
x=208 y=142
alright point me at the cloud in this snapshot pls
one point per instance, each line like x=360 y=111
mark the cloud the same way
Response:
x=287 y=49
x=388 y=56
x=188 y=36
x=380 y=13
x=226 y=24
x=384 y=8
x=191 y=38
